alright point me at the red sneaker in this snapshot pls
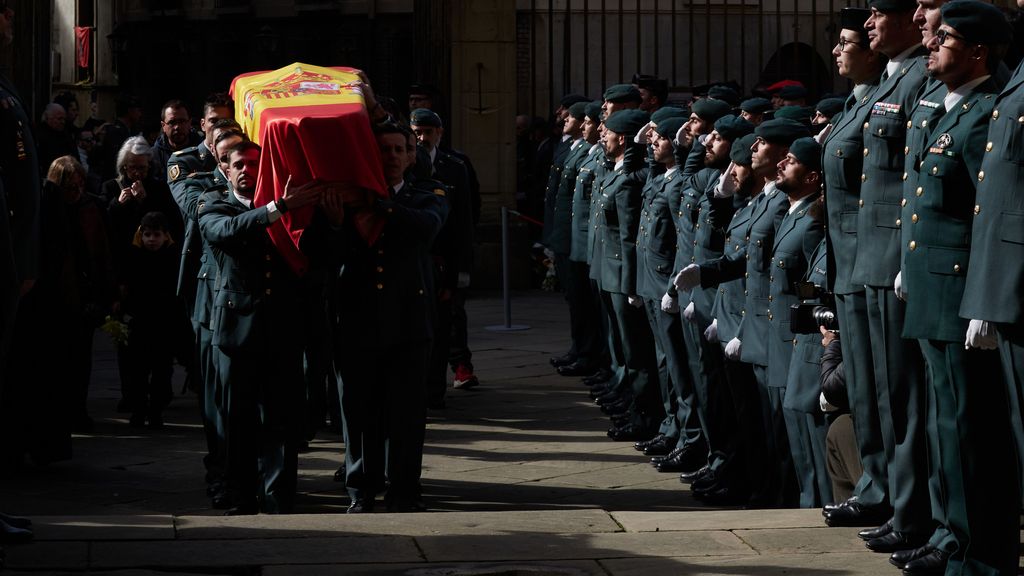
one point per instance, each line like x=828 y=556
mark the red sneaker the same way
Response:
x=464 y=378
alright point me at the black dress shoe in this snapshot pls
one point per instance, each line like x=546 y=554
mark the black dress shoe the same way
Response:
x=660 y=448
x=16 y=521
x=690 y=476
x=877 y=532
x=563 y=360
x=628 y=432
x=405 y=505
x=689 y=460
x=600 y=377
x=615 y=408
x=830 y=507
x=14 y=535
x=575 y=369
x=856 y=514
x=360 y=506
x=706 y=482
x=620 y=420
x=655 y=460
x=723 y=496
x=900 y=558
x=642 y=444
x=598 y=390
x=340 y=474
x=894 y=541
x=933 y=562
x=221 y=501
x=609 y=397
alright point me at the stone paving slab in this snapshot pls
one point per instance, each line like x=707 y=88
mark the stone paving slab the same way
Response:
x=532 y=547
x=836 y=564
x=48 y=556
x=258 y=551
x=717 y=520
x=103 y=527
x=549 y=568
x=451 y=523
x=803 y=540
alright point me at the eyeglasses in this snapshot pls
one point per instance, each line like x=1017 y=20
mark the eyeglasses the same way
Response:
x=843 y=43
x=943 y=34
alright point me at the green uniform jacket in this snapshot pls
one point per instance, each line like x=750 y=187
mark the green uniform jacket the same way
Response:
x=593 y=227
x=581 y=198
x=656 y=240
x=937 y=253
x=561 y=153
x=918 y=130
x=616 y=223
x=885 y=134
x=713 y=218
x=206 y=276
x=729 y=301
x=188 y=176
x=560 y=239
x=842 y=166
x=795 y=241
x=804 y=385
x=687 y=196
x=995 y=280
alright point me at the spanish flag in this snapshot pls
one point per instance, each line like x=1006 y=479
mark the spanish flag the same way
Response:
x=312 y=124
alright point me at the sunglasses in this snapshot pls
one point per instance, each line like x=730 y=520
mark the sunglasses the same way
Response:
x=943 y=34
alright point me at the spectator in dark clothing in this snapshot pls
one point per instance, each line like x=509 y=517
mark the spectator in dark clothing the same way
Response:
x=176 y=134
x=147 y=283
x=128 y=123
x=844 y=466
x=52 y=138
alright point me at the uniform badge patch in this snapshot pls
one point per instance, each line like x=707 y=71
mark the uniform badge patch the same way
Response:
x=944 y=141
x=173 y=173
x=440 y=192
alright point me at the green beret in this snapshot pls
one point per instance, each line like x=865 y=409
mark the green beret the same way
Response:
x=756 y=105
x=578 y=110
x=622 y=93
x=852 y=18
x=570 y=99
x=424 y=117
x=831 y=106
x=808 y=152
x=893 y=5
x=666 y=112
x=732 y=127
x=741 y=152
x=593 y=110
x=978 y=22
x=724 y=93
x=669 y=127
x=627 y=122
x=709 y=109
x=798 y=113
x=782 y=131
x=793 y=92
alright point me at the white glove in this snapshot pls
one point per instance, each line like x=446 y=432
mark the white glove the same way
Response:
x=641 y=136
x=732 y=349
x=981 y=334
x=900 y=292
x=635 y=301
x=681 y=139
x=711 y=334
x=726 y=187
x=669 y=304
x=824 y=405
x=687 y=278
x=688 y=313
x=463 y=281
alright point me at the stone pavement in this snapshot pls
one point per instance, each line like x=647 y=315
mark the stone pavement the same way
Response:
x=518 y=474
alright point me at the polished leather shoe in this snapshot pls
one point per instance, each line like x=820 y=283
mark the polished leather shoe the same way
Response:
x=660 y=448
x=609 y=397
x=405 y=505
x=575 y=369
x=690 y=477
x=16 y=521
x=615 y=408
x=600 y=377
x=14 y=535
x=642 y=444
x=933 y=562
x=598 y=390
x=894 y=541
x=563 y=360
x=830 y=507
x=340 y=474
x=628 y=432
x=689 y=460
x=620 y=420
x=655 y=460
x=360 y=506
x=877 y=532
x=857 y=514
x=723 y=496
x=221 y=501
x=900 y=558
x=706 y=482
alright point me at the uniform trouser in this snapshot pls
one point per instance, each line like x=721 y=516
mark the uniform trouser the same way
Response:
x=261 y=429
x=806 y=434
x=458 y=351
x=780 y=486
x=383 y=403
x=670 y=331
x=844 y=469
x=584 y=315
x=713 y=410
x=750 y=458
x=1011 y=354
x=973 y=444
x=437 y=373
x=565 y=279
x=868 y=401
x=612 y=353
x=317 y=349
x=211 y=403
x=668 y=427
x=639 y=362
x=692 y=345
x=150 y=368
x=898 y=367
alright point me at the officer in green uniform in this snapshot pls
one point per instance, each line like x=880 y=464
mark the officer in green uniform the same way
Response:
x=750 y=344
x=843 y=164
x=995 y=279
x=755 y=110
x=261 y=369
x=617 y=220
x=982 y=529
x=559 y=240
x=897 y=364
x=795 y=241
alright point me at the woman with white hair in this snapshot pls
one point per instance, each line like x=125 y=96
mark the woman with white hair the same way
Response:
x=131 y=195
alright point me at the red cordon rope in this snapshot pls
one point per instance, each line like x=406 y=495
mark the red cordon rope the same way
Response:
x=527 y=218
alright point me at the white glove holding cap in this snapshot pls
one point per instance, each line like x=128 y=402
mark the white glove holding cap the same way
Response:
x=711 y=334
x=733 y=348
x=898 y=285
x=669 y=304
x=687 y=278
x=981 y=334
x=635 y=301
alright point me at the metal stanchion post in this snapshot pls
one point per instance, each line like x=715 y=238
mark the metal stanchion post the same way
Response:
x=506 y=279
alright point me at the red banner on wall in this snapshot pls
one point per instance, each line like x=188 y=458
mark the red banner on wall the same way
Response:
x=82 y=36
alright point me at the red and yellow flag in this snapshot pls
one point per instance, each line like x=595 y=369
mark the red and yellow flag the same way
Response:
x=312 y=123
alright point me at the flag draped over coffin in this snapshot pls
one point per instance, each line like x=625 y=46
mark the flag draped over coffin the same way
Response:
x=312 y=123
